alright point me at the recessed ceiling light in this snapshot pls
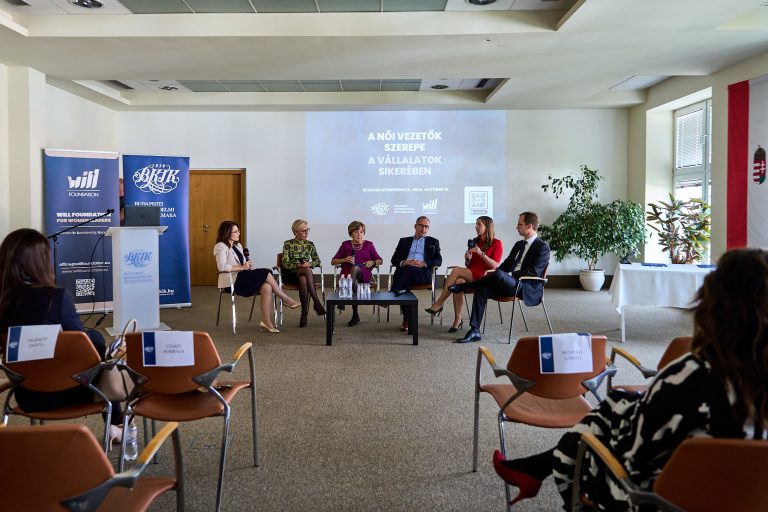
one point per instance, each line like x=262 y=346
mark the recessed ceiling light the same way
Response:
x=439 y=86
x=169 y=88
x=481 y=2
x=87 y=4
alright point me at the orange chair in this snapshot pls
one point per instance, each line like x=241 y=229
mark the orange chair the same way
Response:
x=279 y=267
x=702 y=474
x=75 y=363
x=517 y=298
x=187 y=393
x=676 y=348
x=534 y=398
x=53 y=466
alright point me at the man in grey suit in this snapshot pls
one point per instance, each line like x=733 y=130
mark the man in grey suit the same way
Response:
x=528 y=257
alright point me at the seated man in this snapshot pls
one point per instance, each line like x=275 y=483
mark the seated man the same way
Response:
x=414 y=258
x=528 y=257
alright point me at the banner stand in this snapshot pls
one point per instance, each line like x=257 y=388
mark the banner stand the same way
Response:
x=136 y=278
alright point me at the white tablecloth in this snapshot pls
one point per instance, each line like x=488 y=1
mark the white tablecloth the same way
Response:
x=670 y=286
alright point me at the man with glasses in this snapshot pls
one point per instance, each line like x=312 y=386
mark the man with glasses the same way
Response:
x=414 y=258
x=528 y=257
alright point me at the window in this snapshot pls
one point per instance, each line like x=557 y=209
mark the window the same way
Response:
x=693 y=152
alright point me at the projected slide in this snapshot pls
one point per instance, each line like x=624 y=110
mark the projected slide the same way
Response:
x=391 y=167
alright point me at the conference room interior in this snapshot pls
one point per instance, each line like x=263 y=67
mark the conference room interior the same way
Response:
x=374 y=422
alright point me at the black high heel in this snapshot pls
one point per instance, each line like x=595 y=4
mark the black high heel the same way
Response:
x=453 y=329
x=434 y=312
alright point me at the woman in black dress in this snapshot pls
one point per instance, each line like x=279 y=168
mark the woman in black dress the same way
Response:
x=720 y=389
x=232 y=261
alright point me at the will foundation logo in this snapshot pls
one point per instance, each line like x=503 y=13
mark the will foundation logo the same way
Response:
x=138 y=259
x=86 y=185
x=758 y=166
x=430 y=206
x=156 y=178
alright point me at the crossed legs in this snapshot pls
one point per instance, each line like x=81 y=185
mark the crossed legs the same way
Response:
x=306 y=291
x=457 y=275
x=267 y=289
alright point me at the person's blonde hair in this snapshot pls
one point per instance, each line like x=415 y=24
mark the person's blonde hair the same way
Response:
x=296 y=226
x=354 y=226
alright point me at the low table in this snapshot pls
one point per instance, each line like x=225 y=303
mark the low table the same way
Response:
x=408 y=300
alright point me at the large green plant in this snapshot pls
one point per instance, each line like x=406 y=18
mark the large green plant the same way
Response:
x=682 y=228
x=588 y=228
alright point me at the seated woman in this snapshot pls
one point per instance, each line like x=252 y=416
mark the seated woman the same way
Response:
x=29 y=296
x=299 y=258
x=483 y=253
x=718 y=390
x=357 y=257
x=248 y=280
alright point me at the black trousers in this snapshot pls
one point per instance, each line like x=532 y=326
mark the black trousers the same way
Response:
x=489 y=286
x=405 y=277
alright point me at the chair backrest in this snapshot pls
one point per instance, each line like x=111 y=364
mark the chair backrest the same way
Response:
x=524 y=362
x=48 y=463
x=716 y=474
x=279 y=260
x=173 y=379
x=676 y=348
x=74 y=353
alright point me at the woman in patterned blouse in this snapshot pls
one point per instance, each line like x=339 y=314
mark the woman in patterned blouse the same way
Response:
x=299 y=258
x=720 y=389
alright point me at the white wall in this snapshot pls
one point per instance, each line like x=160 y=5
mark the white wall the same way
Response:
x=5 y=170
x=270 y=146
x=75 y=123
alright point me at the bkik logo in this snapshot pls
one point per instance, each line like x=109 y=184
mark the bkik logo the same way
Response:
x=89 y=180
x=156 y=178
x=138 y=259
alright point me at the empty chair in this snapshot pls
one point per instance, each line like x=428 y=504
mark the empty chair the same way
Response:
x=676 y=348
x=230 y=290
x=62 y=467
x=188 y=393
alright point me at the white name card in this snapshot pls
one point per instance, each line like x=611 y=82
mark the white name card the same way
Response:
x=31 y=342
x=168 y=348
x=565 y=353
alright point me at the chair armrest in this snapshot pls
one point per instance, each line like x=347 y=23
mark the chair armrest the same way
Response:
x=593 y=384
x=91 y=500
x=241 y=351
x=531 y=278
x=647 y=372
x=207 y=379
x=521 y=384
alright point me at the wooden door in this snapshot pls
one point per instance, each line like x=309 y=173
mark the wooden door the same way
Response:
x=214 y=196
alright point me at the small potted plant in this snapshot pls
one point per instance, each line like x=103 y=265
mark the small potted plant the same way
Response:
x=682 y=227
x=590 y=229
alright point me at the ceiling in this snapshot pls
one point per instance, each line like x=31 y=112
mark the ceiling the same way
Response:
x=376 y=54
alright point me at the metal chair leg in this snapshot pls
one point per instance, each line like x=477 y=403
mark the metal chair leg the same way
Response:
x=547 y=317
x=476 y=432
x=234 y=315
x=218 y=310
x=220 y=486
x=253 y=303
x=522 y=313
x=503 y=445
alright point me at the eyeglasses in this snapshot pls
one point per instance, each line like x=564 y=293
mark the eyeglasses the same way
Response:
x=425 y=226
x=304 y=230
x=235 y=231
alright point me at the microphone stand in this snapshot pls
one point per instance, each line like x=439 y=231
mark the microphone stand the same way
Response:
x=55 y=238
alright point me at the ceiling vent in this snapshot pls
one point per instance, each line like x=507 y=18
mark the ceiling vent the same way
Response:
x=119 y=84
x=481 y=83
x=18 y=3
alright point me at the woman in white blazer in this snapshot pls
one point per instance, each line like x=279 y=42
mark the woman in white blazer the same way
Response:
x=232 y=261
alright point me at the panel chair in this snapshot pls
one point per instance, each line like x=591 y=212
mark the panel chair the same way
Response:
x=468 y=291
x=676 y=348
x=230 y=290
x=319 y=285
x=534 y=398
x=75 y=363
x=517 y=298
x=702 y=474
x=188 y=393
x=431 y=285
x=62 y=467
x=375 y=280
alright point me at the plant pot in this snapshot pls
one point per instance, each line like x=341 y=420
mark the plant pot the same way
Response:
x=592 y=280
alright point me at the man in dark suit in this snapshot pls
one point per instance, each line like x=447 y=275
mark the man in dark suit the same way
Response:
x=414 y=258
x=528 y=257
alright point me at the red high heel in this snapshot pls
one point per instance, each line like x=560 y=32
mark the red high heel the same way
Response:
x=528 y=485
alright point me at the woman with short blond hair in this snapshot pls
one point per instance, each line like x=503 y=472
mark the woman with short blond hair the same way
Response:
x=299 y=258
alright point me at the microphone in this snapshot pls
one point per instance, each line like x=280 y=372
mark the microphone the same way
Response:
x=470 y=243
x=247 y=254
x=353 y=256
x=111 y=210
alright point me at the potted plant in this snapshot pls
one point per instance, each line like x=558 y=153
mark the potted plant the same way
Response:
x=590 y=229
x=682 y=226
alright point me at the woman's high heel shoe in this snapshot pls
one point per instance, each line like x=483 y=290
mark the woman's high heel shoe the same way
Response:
x=293 y=306
x=434 y=312
x=115 y=435
x=529 y=486
x=453 y=329
x=264 y=327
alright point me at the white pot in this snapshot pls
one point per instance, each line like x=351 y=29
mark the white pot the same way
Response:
x=592 y=280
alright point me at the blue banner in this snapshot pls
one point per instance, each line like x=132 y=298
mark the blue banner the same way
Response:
x=164 y=181
x=79 y=186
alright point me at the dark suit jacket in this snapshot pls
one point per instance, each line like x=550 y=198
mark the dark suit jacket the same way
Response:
x=38 y=305
x=534 y=264
x=432 y=256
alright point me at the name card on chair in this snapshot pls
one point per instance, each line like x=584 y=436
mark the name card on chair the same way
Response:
x=168 y=348
x=31 y=342
x=565 y=353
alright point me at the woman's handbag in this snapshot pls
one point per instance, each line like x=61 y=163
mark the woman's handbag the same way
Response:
x=115 y=383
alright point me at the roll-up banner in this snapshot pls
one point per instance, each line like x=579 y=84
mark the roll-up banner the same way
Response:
x=79 y=187
x=164 y=181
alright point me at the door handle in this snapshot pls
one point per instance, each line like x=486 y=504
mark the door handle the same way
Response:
x=205 y=228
